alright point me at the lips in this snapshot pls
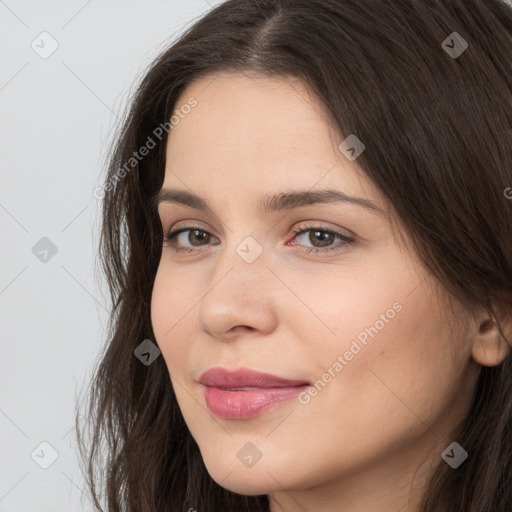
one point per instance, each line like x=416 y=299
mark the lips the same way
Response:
x=245 y=378
x=245 y=393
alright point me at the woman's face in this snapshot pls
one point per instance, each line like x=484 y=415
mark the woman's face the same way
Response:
x=357 y=318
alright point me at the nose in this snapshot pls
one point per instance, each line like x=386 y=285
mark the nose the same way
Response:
x=241 y=297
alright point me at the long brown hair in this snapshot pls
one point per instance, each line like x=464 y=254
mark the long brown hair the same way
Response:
x=437 y=126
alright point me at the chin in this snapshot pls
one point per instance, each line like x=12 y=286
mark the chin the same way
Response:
x=253 y=481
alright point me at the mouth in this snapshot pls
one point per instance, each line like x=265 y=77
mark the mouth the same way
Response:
x=245 y=393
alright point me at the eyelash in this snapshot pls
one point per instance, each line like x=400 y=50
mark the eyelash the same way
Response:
x=171 y=235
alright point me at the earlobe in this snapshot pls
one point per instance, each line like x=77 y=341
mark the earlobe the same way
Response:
x=489 y=346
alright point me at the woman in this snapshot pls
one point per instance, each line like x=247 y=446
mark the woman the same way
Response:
x=307 y=237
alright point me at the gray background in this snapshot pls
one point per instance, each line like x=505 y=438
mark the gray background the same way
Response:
x=57 y=116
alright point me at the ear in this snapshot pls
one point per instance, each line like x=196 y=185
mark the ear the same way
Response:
x=489 y=346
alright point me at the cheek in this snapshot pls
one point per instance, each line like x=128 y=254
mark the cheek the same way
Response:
x=405 y=374
x=330 y=310
x=377 y=344
x=170 y=311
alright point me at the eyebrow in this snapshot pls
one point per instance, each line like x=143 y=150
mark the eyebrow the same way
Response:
x=273 y=203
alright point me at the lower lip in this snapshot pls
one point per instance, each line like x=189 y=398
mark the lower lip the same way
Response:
x=239 y=405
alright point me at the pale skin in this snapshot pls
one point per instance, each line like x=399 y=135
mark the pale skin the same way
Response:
x=369 y=440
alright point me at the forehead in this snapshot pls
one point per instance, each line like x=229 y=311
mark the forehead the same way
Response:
x=240 y=114
x=234 y=96
x=256 y=132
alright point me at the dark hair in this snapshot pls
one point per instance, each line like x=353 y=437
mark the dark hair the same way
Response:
x=437 y=129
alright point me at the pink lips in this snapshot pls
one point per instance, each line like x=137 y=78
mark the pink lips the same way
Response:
x=225 y=398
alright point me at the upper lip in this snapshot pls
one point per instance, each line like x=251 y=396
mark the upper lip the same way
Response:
x=245 y=377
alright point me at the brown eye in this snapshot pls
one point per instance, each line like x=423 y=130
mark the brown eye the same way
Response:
x=178 y=239
x=321 y=239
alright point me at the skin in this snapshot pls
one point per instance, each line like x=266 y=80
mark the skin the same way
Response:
x=369 y=440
